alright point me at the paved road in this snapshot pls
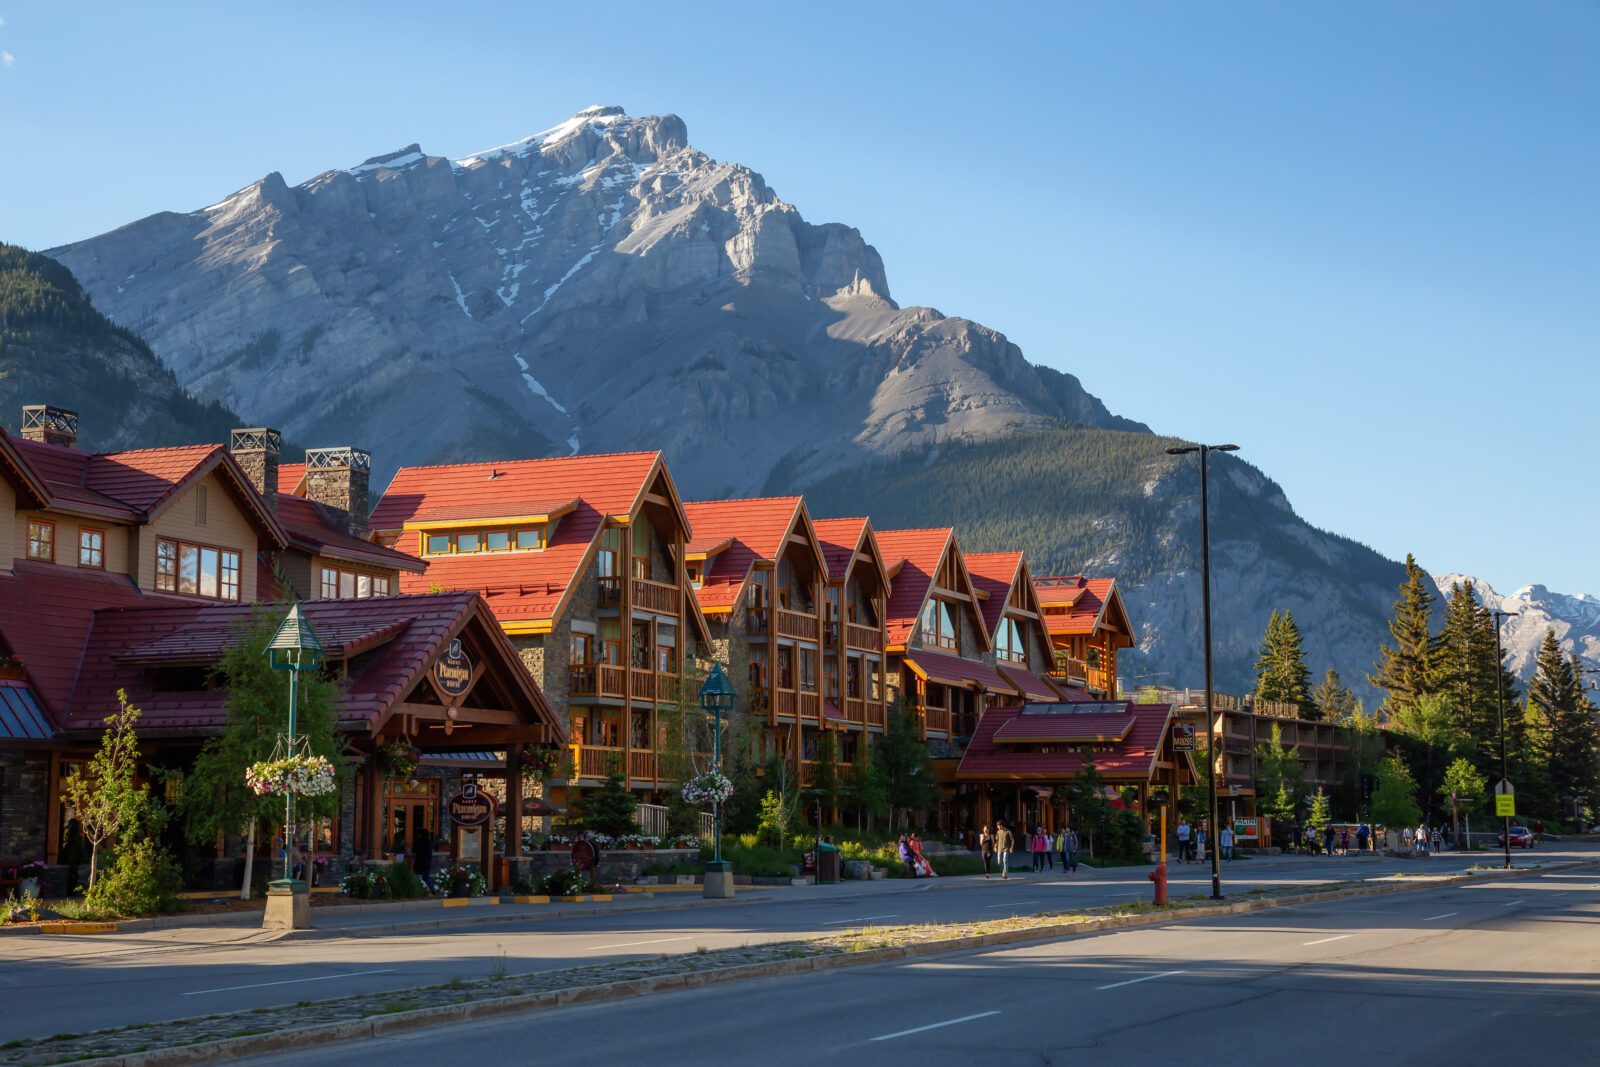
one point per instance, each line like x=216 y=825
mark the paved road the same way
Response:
x=52 y=985
x=1492 y=973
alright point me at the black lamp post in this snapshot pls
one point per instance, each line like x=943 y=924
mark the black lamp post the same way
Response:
x=1205 y=603
x=716 y=696
x=1500 y=712
x=294 y=648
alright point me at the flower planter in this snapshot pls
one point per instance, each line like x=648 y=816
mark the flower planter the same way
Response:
x=560 y=848
x=14 y=672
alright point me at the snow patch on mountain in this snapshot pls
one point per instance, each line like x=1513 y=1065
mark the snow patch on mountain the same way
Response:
x=1575 y=618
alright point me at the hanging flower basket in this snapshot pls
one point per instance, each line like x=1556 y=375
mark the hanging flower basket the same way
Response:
x=398 y=758
x=709 y=787
x=302 y=776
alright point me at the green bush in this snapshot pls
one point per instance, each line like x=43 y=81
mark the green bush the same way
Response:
x=404 y=883
x=143 y=881
x=566 y=883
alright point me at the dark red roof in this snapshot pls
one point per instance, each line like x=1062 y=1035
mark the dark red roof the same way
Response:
x=1086 y=597
x=310 y=527
x=917 y=554
x=994 y=573
x=840 y=538
x=956 y=670
x=1081 y=727
x=1132 y=758
x=1030 y=685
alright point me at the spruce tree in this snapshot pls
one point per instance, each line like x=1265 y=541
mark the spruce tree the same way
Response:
x=1404 y=672
x=1334 y=702
x=1573 y=746
x=1281 y=672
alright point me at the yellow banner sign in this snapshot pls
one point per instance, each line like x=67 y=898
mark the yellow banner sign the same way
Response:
x=1505 y=806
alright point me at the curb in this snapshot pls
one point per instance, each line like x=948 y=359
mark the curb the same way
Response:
x=381 y=1025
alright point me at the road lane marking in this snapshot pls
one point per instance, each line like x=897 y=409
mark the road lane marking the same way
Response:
x=934 y=1026
x=1513 y=904
x=1136 y=981
x=1446 y=915
x=631 y=944
x=1325 y=940
x=863 y=919
x=1014 y=904
x=286 y=981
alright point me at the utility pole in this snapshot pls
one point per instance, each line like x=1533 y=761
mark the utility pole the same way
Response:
x=1500 y=710
x=1205 y=605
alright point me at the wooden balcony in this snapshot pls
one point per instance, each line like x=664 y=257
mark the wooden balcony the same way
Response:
x=797 y=624
x=642 y=765
x=785 y=702
x=855 y=711
x=936 y=720
x=877 y=714
x=655 y=596
x=808 y=772
x=597 y=680
x=597 y=761
x=869 y=638
x=642 y=684
x=610 y=592
x=1071 y=670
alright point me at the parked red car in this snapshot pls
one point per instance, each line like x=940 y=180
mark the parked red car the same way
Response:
x=1521 y=837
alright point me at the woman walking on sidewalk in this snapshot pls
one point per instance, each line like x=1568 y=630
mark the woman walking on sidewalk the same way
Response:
x=986 y=847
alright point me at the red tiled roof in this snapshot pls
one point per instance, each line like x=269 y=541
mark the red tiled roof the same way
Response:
x=611 y=484
x=840 y=538
x=1085 y=596
x=994 y=573
x=289 y=477
x=1081 y=727
x=1030 y=685
x=1132 y=758
x=917 y=553
x=311 y=528
x=16 y=470
x=754 y=529
x=955 y=670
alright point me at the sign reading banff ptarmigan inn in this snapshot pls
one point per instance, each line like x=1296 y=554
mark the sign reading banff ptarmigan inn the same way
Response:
x=470 y=807
x=453 y=670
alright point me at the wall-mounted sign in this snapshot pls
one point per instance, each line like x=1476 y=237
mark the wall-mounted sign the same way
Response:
x=1183 y=737
x=470 y=807
x=453 y=670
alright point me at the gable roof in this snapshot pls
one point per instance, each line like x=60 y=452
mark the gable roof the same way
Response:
x=994 y=573
x=913 y=558
x=1134 y=732
x=1090 y=602
x=312 y=529
x=18 y=473
x=742 y=533
x=291 y=478
x=841 y=539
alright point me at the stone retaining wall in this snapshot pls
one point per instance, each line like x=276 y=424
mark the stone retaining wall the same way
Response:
x=617 y=866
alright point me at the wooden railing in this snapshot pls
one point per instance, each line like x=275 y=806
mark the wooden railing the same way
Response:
x=597 y=761
x=936 y=720
x=877 y=714
x=786 y=702
x=867 y=637
x=1070 y=669
x=610 y=591
x=666 y=688
x=655 y=596
x=855 y=711
x=642 y=765
x=755 y=620
x=796 y=624
x=810 y=705
x=597 y=679
x=643 y=685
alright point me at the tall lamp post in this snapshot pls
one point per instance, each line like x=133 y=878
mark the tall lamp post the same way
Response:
x=1205 y=604
x=716 y=697
x=294 y=648
x=1500 y=711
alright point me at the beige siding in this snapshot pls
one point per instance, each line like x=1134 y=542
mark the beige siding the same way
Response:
x=67 y=529
x=225 y=526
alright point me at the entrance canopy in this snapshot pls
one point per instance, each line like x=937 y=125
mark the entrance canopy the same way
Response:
x=1041 y=741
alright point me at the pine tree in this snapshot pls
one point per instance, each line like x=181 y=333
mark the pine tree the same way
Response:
x=1278 y=779
x=1405 y=672
x=1334 y=702
x=610 y=809
x=865 y=790
x=1573 y=746
x=1281 y=672
x=1466 y=675
x=907 y=772
x=825 y=782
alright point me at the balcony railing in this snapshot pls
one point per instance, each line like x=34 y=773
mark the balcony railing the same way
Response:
x=865 y=637
x=1073 y=670
x=598 y=761
x=642 y=765
x=643 y=685
x=786 y=702
x=877 y=714
x=610 y=592
x=855 y=710
x=936 y=720
x=655 y=596
x=597 y=680
x=797 y=624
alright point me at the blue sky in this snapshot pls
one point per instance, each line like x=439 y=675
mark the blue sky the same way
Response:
x=1358 y=239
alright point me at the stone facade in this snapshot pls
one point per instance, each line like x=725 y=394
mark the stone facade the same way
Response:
x=24 y=783
x=337 y=479
x=617 y=866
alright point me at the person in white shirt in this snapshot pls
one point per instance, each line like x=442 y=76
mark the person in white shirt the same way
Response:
x=1183 y=841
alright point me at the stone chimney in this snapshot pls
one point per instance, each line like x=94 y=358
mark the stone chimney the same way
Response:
x=50 y=425
x=337 y=479
x=257 y=450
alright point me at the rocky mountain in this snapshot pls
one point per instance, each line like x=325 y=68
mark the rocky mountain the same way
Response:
x=56 y=348
x=600 y=285
x=1574 y=618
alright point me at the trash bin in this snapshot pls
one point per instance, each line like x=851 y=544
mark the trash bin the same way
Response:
x=827 y=864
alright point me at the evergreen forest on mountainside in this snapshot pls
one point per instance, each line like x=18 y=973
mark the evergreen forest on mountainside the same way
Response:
x=55 y=348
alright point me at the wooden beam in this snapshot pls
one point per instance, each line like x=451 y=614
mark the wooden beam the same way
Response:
x=429 y=713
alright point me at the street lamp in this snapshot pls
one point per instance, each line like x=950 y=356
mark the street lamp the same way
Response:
x=1205 y=603
x=1500 y=712
x=294 y=648
x=716 y=696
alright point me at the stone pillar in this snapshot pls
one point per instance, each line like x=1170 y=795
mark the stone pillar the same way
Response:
x=337 y=479
x=257 y=451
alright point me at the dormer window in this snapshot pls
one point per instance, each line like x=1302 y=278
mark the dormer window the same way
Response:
x=696 y=573
x=939 y=625
x=1009 y=646
x=470 y=541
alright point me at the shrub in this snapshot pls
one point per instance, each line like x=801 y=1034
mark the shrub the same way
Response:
x=143 y=881
x=566 y=883
x=404 y=883
x=460 y=881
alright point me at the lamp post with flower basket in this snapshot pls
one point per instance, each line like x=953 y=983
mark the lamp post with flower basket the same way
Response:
x=716 y=696
x=293 y=770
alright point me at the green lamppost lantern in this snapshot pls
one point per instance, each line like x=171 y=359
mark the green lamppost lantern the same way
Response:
x=294 y=648
x=716 y=697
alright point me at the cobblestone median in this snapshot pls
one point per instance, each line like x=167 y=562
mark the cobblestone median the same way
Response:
x=233 y=1035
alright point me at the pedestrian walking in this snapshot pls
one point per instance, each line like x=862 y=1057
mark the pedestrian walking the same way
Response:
x=906 y=857
x=1183 y=840
x=1069 y=857
x=1200 y=844
x=986 y=847
x=1327 y=840
x=1002 y=848
x=1058 y=844
x=1225 y=842
x=1408 y=839
x=1438 y=840
x=1037 y=845
x=1344 y=841
x=1422 y=839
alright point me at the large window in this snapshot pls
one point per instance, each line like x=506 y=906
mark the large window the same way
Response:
x=340 y=584
x=582 y=651
x=1008 y=643
x=469 y=541
x=939 y=625
x=197 y=570
x=42 y=540
x=608 y=561
x=785 y=667
x=92 y=548
x=808 y=670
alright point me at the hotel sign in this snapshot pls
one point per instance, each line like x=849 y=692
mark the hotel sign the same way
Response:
x=453 y=670
x=470 y=807
x=1183 y=737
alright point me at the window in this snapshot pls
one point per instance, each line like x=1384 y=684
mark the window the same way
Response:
x=808 y=670
x=438 y=544
x=609 y=559
x=42 y=541
x=696 y=572
x=611 y=642
x=582 y=649
x=530 y=540
x=497 y=541
x=939 y=625
x=197 y=570
x=380 y=587
x=830 y=673
x=468 y=542
x=643 y=545
x=756 y=597
x=1009 y=646
x=337 y=584
x=330 y=584
x=92 y=548
x=785 y=667
x=666 y=659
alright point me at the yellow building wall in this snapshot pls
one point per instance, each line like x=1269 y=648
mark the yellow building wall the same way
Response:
x=67 y=529
x=225 y=526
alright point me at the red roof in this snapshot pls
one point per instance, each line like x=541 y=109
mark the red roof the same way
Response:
x=754 y=529
x=1081 y=727
x=994 y=573
x=955 y=670
x=290 y=475
x=1086 y=597
x=917 y=553
x=1132 y=758
x=312 y=528
x=840 y=538
x=1030 y=685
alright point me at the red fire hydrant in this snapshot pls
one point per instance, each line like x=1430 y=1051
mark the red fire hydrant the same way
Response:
x=1159 y=877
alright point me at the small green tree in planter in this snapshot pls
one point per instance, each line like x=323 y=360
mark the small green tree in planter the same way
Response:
x=609 y=810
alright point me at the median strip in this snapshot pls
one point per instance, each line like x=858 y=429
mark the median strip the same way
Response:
x=233 y=1035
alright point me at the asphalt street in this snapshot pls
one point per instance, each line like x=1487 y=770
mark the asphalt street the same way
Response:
x=73 y=984
x=1504 y=971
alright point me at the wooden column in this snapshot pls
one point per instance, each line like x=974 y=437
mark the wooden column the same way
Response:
x=372 y=783
x=625 y=621
x=513 y=841
x=52 y=810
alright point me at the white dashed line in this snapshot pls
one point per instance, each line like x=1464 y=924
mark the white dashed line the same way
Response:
x=1136 y=981
x=631 y=944
x=1325 y=940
